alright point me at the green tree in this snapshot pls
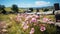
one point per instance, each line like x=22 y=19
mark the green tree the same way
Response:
x=46 y=9
x=31 y=9
x=37 y=9
x=2 y=8
x=15 y=8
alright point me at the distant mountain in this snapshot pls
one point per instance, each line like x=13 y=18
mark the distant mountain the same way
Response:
x=45 y=7
x=51 y=7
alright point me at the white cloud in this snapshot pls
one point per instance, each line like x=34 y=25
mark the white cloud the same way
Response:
x=25 y=5
x=35 y=4
x=42 y=3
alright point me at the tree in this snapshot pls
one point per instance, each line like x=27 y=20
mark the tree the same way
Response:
x=31 y=9
x=15 y=8
x=37 y=9
x=3 y=9
x=46 y=9
x=0 y=7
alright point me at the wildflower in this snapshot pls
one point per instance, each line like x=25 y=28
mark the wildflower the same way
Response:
x=37 y=16
x=33 y=20
x=18 y=18
x=23 y=23
x=2 y=24
x=42 y=27
x=32 y=31
x=45 y=19
x=27 y=18
x=25 y=27
x=27 y=22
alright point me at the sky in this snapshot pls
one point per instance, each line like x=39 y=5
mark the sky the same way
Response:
x=29 y=3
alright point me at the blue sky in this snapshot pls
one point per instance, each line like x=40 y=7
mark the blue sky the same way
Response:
x=29 y=3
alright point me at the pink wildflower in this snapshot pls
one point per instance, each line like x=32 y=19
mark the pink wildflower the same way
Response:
x=27 y=18
x=42 y=28
x=37 y=16
x=25 y=27
x=32 y=31
x=45 y=19
x=18 y=18
x=34 y=20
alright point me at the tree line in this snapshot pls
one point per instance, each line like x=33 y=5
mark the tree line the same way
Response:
x=15 y=9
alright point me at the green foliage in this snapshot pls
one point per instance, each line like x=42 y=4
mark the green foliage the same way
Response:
x=37 y=9
x=15 y=8
x=31 y=9
x=2 y=7
x=46 y=9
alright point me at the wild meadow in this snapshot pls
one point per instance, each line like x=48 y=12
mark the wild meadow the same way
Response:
x=27 y=24
x=15 y=21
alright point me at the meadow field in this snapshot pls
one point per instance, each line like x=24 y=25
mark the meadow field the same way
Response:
x=29 y=17
x=14 y=27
